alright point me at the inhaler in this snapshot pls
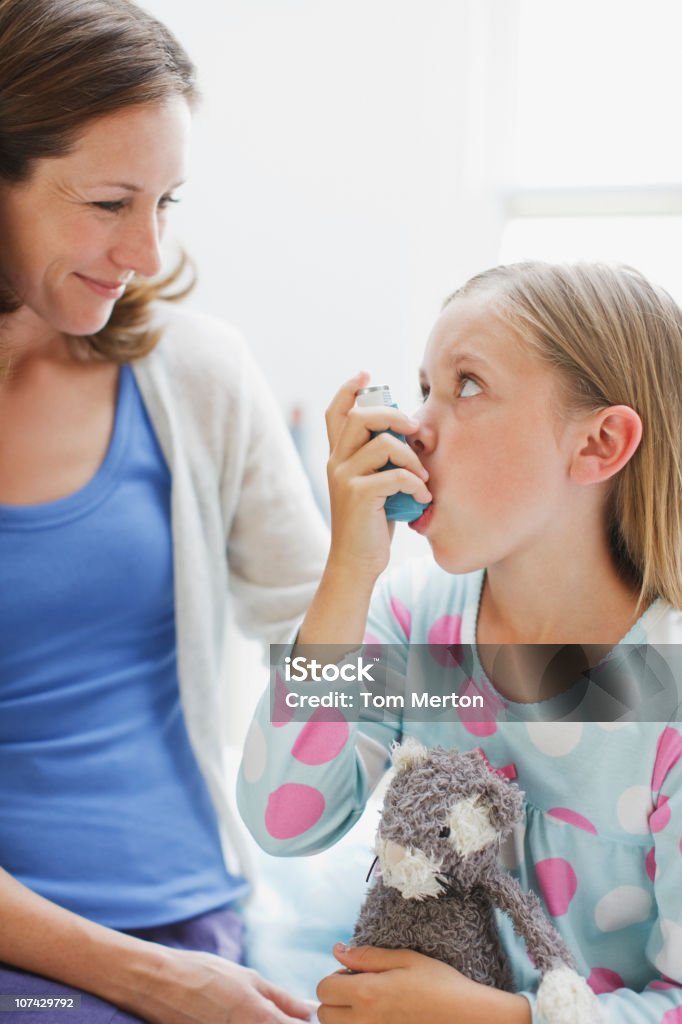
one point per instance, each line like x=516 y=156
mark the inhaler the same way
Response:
x=402 y=507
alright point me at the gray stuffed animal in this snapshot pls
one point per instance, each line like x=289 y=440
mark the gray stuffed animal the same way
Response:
x=444 y=816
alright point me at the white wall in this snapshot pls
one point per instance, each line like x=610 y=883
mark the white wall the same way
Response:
x=347 y=158
x=341 y=183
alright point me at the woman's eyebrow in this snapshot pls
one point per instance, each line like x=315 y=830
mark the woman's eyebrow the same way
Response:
x=131 y=188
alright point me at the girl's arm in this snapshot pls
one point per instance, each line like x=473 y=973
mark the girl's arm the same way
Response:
x=303 y=784
x=159 y=984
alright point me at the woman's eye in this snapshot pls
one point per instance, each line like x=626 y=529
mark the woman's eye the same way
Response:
x=165 y=201
x=424 y=393
x=468 y=387
x=111 y=206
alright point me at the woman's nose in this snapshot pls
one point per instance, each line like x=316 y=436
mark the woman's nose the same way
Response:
x=139 y=248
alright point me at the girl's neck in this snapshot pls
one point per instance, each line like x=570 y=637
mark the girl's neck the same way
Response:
x=578 y=599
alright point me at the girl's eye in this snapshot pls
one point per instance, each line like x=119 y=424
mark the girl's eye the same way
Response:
x=468 y=387
x=424 y=392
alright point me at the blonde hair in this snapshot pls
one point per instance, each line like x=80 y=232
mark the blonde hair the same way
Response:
x=615 y=339
x=64 y=63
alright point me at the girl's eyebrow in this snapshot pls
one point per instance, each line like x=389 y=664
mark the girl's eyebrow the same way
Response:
x=470 y=357
x=454 y=361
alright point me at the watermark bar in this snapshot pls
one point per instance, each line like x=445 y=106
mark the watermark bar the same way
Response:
x=477 y=683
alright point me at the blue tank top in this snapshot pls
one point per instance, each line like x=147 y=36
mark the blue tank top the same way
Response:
x=103 y=808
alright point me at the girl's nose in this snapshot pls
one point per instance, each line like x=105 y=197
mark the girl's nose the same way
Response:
x=424 y=439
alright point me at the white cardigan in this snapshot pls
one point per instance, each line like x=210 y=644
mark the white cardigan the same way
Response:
x=244 y=522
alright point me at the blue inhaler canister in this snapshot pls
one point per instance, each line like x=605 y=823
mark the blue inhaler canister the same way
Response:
x=401 y=507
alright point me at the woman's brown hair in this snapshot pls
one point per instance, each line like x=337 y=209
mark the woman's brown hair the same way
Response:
x=64 y=63
x=615 y=339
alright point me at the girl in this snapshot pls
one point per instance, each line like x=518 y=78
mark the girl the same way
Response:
x=549 y=444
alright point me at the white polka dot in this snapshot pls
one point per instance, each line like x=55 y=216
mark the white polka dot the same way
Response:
x=628 y=904
x=633 y=809
x=512 y=853
x=255 y=753
x=555 y=738
x=669 y=960
x=612 y=726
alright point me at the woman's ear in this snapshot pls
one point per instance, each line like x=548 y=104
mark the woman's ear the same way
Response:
x=607 y=441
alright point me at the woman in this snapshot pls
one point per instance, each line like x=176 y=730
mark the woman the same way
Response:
x=142 y=473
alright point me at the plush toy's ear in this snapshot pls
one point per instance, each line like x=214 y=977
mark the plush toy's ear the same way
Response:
x=408 y=754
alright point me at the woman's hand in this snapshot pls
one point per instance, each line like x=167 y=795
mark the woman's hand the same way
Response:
x=398 y=986
x=200 y=988
x=361 y=535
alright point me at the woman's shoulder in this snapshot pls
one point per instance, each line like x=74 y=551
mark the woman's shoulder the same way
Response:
x=190 y=339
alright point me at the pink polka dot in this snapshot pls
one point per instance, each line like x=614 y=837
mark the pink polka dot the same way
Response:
x=293 y=809
x=445 y=640
x=659 y=818
x=672 y=1016
x=572 y=818
x=558 y=883
x=321 y=739
x=403 y=615
x=281 y=712
x=668 y=753
x=601 y=980
x=471 y=717
x=650 y=864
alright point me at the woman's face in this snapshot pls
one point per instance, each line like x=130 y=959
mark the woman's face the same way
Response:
x=83 y=224
x=491 y=438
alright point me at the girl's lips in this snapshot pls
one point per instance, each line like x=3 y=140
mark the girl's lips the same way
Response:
x=108 y=290
x=421 y=524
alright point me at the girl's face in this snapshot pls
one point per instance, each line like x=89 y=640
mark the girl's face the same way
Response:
x=491 y=438
x=84 y=223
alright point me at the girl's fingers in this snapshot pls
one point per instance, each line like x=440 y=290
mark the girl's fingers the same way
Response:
x=341 y=404
x=375 y=454
x=380 y=486
x=349 y=427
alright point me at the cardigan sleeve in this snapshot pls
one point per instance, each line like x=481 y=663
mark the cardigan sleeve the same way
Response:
x=276 y=539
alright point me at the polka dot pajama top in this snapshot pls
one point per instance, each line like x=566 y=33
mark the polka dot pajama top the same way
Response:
x=601 y=840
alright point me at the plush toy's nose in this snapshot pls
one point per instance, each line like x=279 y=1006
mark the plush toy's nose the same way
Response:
x=392 y=854
x=412 y=872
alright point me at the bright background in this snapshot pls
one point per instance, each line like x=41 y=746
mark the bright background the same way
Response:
x=355 y=161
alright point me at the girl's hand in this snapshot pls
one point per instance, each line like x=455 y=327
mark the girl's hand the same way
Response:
x=200 y=988
x=361 y=534
x=398 y=986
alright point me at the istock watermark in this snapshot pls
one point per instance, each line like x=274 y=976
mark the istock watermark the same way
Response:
x=301 y=670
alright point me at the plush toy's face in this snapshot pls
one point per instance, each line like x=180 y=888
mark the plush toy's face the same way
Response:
x=443 y=818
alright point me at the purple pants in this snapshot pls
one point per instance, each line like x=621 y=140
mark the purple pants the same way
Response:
x=219 y=932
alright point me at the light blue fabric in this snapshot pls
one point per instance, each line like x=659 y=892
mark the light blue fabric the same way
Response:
x=601 y=838
x=102 y=804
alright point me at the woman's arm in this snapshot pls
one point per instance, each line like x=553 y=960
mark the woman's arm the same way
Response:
x=159 y=984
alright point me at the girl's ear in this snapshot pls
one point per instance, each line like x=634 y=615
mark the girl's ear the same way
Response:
x=607 y=441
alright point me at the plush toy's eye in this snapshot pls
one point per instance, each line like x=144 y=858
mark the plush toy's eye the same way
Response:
x=444 y=832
